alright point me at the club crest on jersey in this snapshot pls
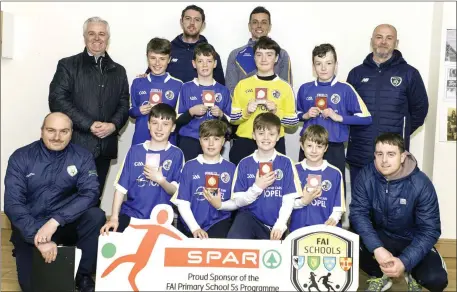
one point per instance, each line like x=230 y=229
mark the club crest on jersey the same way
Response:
x=279 y=174
x=225 y=177
x=72 y=171
x=335 y=98
x=276 y=94
x=218 y=97
x=326 y=185
x=169 y=95
x=395 y=80
x=167 y=164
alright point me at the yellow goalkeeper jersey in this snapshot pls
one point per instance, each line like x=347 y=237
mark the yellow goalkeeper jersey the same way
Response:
x=277 y=90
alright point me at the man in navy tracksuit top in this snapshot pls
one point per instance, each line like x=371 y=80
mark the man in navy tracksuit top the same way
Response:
x=51 y=194
x=395 y=211
x=182 y=47
x=393 y=92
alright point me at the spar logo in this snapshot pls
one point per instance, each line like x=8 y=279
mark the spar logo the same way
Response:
x=212 y=257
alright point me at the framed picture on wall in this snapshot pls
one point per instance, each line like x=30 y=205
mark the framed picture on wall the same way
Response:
x=448 y=120
x=450 y=85
x=451 y=52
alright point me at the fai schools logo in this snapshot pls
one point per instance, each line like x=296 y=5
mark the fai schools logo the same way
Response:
x=323 y=261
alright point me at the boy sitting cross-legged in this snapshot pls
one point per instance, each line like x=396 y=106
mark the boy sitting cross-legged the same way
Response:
x=149 y=174
x=208 y=173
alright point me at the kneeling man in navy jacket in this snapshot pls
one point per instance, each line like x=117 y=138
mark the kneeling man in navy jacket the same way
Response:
x=51 y=193
x=395 y=211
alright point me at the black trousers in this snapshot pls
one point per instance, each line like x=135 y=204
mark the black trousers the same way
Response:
x=218 y=230
x=83 y=233
x=430 y=272
x=102 y=164
x=243 y=147
x=335 y=156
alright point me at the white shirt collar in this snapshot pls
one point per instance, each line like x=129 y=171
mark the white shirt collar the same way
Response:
x=306 y=166
x=256 y=159
x=148 y=142
x=198 y=84
x=202 y=160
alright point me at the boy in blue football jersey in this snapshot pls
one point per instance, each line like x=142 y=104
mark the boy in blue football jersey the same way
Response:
x=322 y=201
x=265 y=186
x=156 y=87
x=201 y=99
x=209 y=173
x=149 y=174
x=330 y=103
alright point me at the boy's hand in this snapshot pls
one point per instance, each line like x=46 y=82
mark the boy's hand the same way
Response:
x=271 y=106
x=145 y=109
x=216 y=111
x=312 y=112
x=330 y=113
x=276 y=234
x=252 y=106
x=154 y=174
x=330 y=222
x=198 y=110
x=266 y=180
x=308 y=197
x=215 y=201
x=200 y=233
x=112 y=223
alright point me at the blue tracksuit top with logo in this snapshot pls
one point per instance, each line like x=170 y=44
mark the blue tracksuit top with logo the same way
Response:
x=143 y=194
x=139 y=92
x=191 y=95
x=192 y=183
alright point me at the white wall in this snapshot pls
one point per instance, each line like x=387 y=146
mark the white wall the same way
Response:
x=444 y=163
x=46 y=32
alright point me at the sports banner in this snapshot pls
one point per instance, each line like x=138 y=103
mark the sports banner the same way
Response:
x=152 y=255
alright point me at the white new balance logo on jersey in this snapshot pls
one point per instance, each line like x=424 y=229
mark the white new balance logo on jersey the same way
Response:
x=250 y=175
x=364 y=80
x=195 y=176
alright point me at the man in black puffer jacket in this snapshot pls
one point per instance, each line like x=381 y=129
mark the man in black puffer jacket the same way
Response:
x=94 y=92
x=395 y=211
x=393 y=92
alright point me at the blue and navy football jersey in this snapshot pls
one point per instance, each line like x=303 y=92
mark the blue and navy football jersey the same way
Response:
x=191 y=185
x=143 y=194
x=267 y=205
x=191 y=95
x=342 y=98
x=140 y=91
x=331 y=199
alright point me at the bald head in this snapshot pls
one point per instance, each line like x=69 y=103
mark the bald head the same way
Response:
x=384 y=27
x=383 y=42
x=59 y=118
x=56 y=131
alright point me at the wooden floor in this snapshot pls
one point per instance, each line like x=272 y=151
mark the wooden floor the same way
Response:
x=9 y=274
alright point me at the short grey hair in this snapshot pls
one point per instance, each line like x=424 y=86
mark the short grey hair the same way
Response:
x=95 y=19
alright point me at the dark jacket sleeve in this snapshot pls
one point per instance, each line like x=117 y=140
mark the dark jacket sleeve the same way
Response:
x=359 y=213
x=60 y=98
x=219 y=72
x=15 y=198
x=121 y=115
x=428 y=227
x=417 y=101
x=86 y=196
x=352 y=78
